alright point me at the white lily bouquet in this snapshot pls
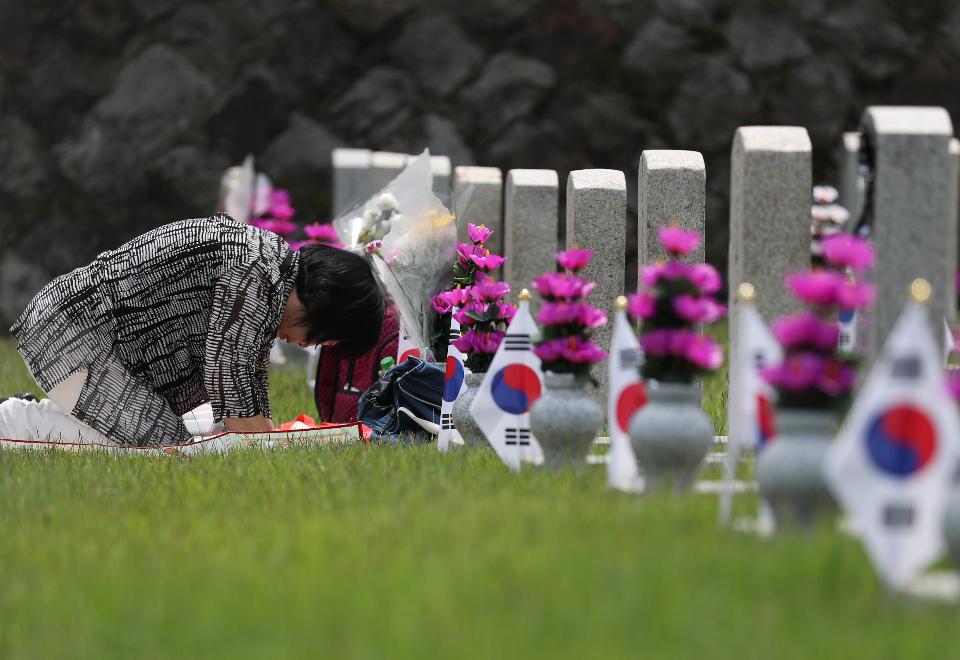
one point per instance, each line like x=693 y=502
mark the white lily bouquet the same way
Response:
x=414 y=241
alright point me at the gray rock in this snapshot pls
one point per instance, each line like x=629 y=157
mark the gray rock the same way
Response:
x=371 y=16
x=437 y=51
x=828 y=83
x=660 y=51
x=252 y=109
x=23 y=172
x=99 y=161
x=707 y=120
x=495 y=13
x=303 y=149
x=444 y=138
x=20 y=279
x=156 y=96
x=509 y=88
x=607 y=120
x=377 y=104
x=192 y=176
x=311 y=46
x=878 y=48
x=764 y=39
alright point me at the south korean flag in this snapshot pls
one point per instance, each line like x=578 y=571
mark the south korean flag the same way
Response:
x=513 y=383
x=454 y=384
x=627 y=395
x=892 y=467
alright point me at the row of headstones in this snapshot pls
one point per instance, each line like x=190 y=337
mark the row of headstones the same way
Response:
x=916 y=164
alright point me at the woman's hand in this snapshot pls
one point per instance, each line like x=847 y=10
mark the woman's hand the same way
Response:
x=255 y=424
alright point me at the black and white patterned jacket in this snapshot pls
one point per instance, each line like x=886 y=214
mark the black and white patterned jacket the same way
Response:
x=190 y=309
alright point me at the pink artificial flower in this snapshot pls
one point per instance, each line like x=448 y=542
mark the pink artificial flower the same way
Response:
x=487 y=290
x=846 y=251
x=797 y=372
x=642 y=305
x=562 y=286
x=704 y=352
x=570 y=349
x=478 y=233
x=678 y=241
x=806 y=329
x=277 y=226
x=565 y=313
x=506 y=311
x=479 y=257
x=373 y=247
x=705 y=277
x=321 y=232
x=855 y=295
x=280 y=204
x=817 y=287
x=575 y=259
x=697 y=310
x=474 y=341
x=953 y=383
x=835 y=378
x=445 y=301
x=688 y=345
x=671 y=270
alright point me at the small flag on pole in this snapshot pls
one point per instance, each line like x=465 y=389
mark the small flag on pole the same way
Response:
x=891 y=469
x=405 y=345
x=513 y=383
x=750 y=403
x=454 y=384
x=627 y=395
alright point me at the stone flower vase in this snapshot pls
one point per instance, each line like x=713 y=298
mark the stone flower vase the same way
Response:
x=671 y=435
x=790 y=469
x=463 y=419
x=951 y=525
x=565 y=420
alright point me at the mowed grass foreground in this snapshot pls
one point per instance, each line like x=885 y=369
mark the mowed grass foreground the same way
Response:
x=400 y=552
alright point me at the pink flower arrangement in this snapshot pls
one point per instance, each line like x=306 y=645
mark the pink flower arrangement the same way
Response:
x=678 y=242
x=566 y=318
x=675 y=299
x=477 y=302
x=814 y=372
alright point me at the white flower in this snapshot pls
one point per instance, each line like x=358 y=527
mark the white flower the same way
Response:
x=387 y=202
x=370 y=216
x=825 y=194
x=839 y=214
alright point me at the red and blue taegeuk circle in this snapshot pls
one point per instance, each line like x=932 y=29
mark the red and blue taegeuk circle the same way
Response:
x=515 y=388
x=410 y=352
x=765 y=425
x=452 y=379
x=631 y=399
x=901 y=440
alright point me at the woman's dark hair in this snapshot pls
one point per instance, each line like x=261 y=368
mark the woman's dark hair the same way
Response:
x=342 y=297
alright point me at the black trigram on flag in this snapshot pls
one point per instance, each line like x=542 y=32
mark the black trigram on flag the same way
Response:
x=516 y=342
x=517 y=437
x=454 y=335
x=898 y=514
x=446 y=422
x=630 y=357
x=907 y=368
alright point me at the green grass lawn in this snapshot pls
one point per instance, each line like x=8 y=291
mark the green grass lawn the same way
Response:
x=387 y=552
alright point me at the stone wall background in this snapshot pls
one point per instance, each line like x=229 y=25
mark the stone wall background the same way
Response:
x=117 y=116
